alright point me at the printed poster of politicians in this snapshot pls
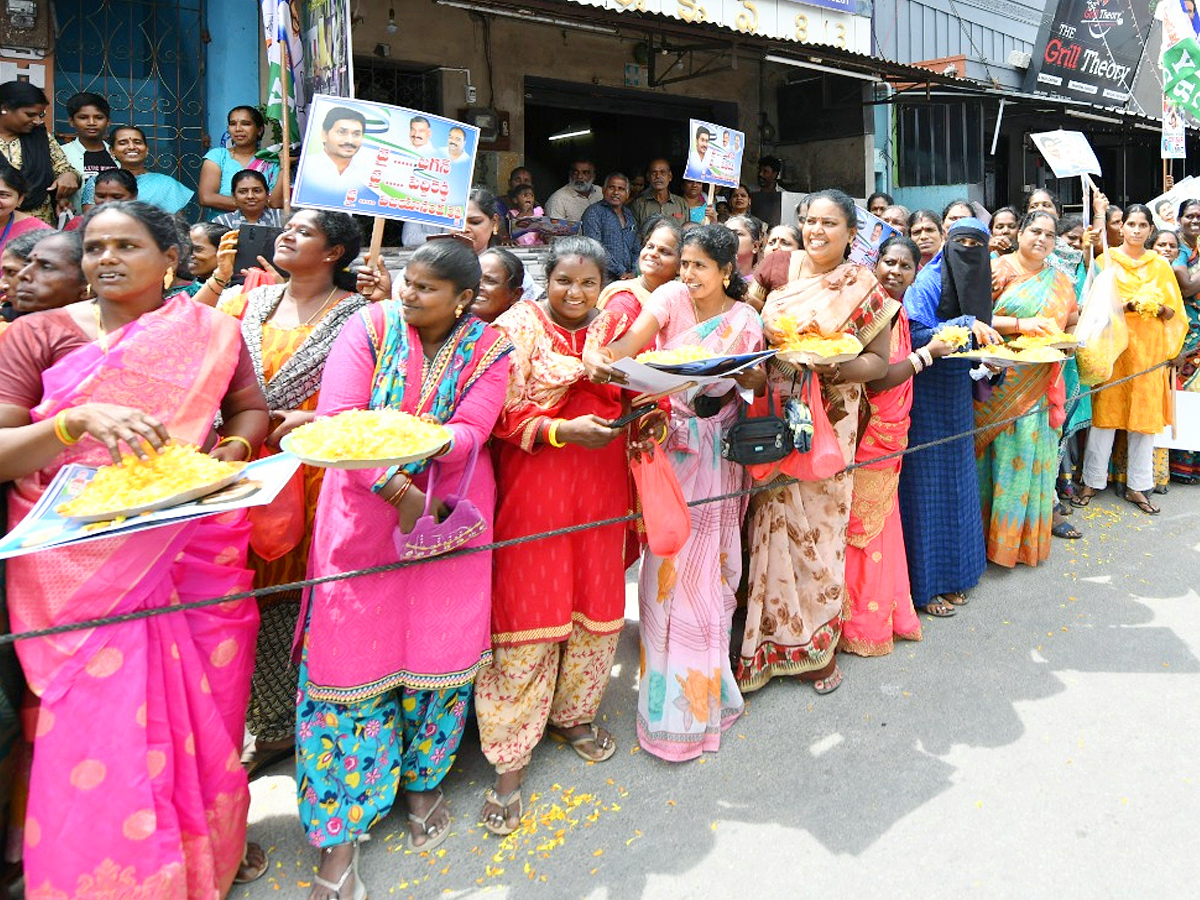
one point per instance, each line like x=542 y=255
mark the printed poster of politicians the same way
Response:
x=1089 y=50
x=714 y=154
x=1067 y=153
x=376 y=160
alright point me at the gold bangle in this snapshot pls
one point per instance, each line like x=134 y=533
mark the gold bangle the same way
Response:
x=60 y=430
x=220 y=285
x=552 y=434
x=237 y=439
x=399 y=493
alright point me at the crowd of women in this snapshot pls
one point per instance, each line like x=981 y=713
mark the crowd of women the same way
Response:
x=127 y=767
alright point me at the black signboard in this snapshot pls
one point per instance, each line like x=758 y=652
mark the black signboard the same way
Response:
x=1089 y=50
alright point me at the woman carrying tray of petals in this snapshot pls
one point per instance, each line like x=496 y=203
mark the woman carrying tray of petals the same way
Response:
x=388 y=661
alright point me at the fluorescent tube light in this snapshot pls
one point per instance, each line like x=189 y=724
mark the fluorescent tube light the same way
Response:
x=564 y=135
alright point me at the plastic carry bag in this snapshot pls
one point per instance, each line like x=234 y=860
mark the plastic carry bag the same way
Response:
x=824 y=458
x=664 y=509
x=1101 y=332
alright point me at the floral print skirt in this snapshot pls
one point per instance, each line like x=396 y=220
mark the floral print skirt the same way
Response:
x=352 y=759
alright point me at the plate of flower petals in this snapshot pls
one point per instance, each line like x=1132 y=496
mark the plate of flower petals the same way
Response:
x=366 y=439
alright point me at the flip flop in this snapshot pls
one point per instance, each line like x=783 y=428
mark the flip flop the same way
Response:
x=606 y=745
x=955 y=598
x=431 y=840
x=1144 y=505
x=939 y=609
x=247 y=872
x=1084 y=497
x=504 y=803
x=830 y=684
x=1062 y=509
x=1066 y=530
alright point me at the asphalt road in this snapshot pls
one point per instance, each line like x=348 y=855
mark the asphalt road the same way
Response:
x=1043 y=743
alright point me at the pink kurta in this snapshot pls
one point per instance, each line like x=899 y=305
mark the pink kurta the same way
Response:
x=426 y=626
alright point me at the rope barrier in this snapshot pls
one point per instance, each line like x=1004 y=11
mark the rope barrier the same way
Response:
x=293 y=586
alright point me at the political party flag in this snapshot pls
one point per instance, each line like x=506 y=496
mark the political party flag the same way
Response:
x=281 y=28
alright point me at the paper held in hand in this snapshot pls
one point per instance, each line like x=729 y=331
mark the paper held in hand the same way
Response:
x=650 y=380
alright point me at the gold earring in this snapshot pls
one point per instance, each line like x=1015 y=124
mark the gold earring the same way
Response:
x=88 y=293
x=458 y=311
x=169 y=278
x=727 y=280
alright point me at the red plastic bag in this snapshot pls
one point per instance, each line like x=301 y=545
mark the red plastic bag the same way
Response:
x=278 y=527
x=664 y=510
x=824 y=459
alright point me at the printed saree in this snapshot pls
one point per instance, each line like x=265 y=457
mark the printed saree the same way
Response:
x=879 y=605
x=137 y=789
x=1018 y=462
x=797 y=532
x=687 y=694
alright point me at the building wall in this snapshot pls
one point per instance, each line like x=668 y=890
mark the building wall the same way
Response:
x=985 y=31
x=432 y=35
x=232 y=72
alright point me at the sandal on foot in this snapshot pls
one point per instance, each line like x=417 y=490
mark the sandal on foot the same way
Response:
x=360 y=889
x=830 y=684
x=1084 y=496
x=956 y=598
x=939 y=609
x=1066 y=530
x=606 y=745
x=1143 y=504
x=434 y=834
x=249 y=871
x=497 y=823
x=1062 y=509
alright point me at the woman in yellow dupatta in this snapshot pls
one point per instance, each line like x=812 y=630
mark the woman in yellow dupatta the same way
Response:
x=797 y=532
x=1018 y=462
x=1141 y=406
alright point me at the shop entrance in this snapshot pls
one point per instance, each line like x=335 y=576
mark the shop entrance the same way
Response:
x=620 y=129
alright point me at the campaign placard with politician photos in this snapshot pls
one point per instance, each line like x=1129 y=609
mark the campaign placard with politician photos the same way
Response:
x=714 y=154
x=379 y=160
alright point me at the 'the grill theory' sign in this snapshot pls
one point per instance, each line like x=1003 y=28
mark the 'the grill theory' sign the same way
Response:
x=1089 y=50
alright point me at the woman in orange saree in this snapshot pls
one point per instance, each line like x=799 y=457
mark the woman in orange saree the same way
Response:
x=136 y=787
x=1018 y=462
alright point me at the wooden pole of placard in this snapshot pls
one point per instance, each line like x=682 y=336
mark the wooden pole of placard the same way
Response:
x=1166 y=172
x=376 y=241
x=286 y=155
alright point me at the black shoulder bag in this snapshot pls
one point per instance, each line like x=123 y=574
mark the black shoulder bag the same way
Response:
x=757 y=439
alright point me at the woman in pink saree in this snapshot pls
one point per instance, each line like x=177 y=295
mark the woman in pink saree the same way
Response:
x=687 y=695
x=136 y=788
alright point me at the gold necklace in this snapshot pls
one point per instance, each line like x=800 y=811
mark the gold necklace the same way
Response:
x=101 y=334
x=312 y=318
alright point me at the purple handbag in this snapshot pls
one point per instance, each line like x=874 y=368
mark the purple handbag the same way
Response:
x=430 y=537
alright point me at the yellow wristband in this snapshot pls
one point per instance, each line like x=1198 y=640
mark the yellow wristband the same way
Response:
x=60 y=430
x=552 y=434
x=237 y=439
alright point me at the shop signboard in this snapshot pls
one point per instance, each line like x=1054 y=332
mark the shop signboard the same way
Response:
x=1068 y=153
x=714 y=154
x=377 y=160
x=1089 y=50
x=838 y=23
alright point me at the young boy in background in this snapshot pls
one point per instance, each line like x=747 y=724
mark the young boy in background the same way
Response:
x=89 y=115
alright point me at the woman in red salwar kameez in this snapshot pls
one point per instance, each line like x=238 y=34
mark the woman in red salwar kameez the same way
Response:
x=558 y=603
